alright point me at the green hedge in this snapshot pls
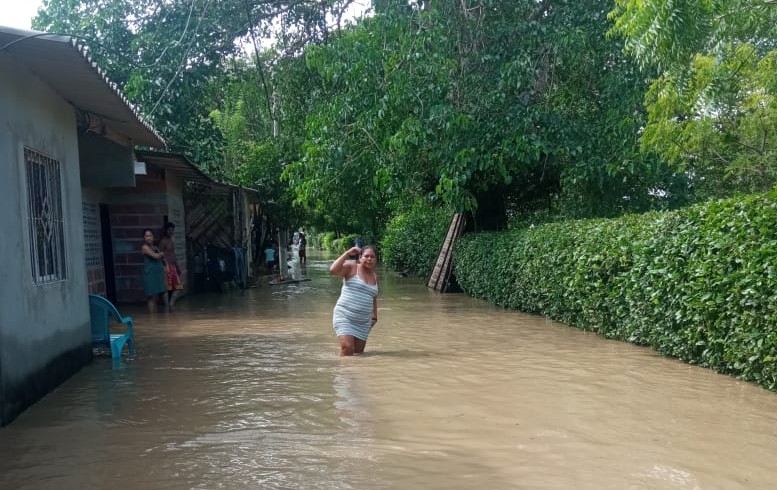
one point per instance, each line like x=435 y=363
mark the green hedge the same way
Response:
x=413 y=239
x=343 y=243
x=327 y=240
x=698 y=284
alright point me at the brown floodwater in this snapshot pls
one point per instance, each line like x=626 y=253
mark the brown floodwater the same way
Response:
x=245 y=391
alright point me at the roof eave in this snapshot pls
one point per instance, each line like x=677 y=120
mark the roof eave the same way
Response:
x=73 y=74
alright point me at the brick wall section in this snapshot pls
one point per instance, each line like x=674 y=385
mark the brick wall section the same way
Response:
x=127 y=224
x=155 y=196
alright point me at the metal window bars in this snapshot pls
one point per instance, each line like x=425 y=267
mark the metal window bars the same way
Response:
x=46 y=228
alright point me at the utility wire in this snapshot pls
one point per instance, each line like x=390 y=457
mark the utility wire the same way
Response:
x=89 y=43
x=92 y=43
x=258 y=61
x=184 y=59
x=176 y=43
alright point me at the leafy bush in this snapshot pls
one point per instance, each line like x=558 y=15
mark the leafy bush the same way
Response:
x=327 y=240
x=343 y=243
x=413 y=238
x=698 y=284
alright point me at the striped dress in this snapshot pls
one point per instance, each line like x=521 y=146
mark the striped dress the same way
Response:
x=353 y=311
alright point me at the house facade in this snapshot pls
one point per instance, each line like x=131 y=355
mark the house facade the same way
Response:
x=121 y=215
x=216 y=217
x=167 y=187
x=62 y=125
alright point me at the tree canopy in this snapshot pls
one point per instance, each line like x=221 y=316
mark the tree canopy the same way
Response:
x=712 y=111
x=502 y=106
x=461 y=99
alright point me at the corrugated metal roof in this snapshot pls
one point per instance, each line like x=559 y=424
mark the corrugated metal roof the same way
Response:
x=177 y=163
x=184 y=167
x=67 y=68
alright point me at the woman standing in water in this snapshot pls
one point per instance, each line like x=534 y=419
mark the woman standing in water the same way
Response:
x=153 y=272
x=356 y=311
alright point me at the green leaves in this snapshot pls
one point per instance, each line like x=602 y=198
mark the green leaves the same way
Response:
x=712 y=111
x=664 y=32
x=698 y=284
x=452 y=102
x=413 y=238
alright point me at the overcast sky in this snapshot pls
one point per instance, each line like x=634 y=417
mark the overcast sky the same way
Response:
x=18 y=13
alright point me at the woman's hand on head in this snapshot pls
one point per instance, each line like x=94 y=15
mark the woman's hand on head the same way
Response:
x=354 y=251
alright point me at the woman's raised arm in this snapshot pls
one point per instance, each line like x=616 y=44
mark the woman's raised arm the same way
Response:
x=339 y=267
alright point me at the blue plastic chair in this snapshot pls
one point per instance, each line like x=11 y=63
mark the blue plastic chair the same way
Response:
x=101 y=310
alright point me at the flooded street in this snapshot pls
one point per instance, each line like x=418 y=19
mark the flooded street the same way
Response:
x=244 y=391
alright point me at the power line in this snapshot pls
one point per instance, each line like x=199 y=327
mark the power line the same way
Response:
x=184 y=59
x=176 y=43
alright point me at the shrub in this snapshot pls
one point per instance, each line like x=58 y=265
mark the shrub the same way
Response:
x=343 y=243
x=327 y=240
x=413 y=238
x=698 y=284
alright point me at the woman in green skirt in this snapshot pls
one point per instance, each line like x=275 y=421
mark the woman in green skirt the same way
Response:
x=153 y=271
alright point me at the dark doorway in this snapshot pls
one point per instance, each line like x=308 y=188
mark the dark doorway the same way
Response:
x=110 y=276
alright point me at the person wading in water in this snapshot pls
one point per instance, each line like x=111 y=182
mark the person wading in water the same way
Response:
x=356 y=310
x=172 y=272
x=153 y=272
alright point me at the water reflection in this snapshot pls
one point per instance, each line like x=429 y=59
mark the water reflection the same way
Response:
x=246 y=391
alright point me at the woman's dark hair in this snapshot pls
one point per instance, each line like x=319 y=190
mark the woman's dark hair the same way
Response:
x=147 y=230
x=374 y=249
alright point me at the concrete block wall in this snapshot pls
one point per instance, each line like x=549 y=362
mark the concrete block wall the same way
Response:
x=95 y=267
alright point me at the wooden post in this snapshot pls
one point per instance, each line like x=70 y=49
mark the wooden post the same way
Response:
x=440 y=278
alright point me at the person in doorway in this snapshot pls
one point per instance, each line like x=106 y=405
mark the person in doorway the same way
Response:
x=172 y=272
x=269 y=257
x=356 y=310
x=153 y=272
x=301 y=246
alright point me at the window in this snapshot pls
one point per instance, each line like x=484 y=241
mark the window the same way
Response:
x=44 y=203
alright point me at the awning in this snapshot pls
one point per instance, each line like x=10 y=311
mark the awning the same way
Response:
x=176 y=163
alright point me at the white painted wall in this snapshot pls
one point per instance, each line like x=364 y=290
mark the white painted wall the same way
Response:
x=104 y=163
x=43 y=326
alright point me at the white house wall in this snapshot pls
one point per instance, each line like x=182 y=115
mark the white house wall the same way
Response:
x=104 y=163
x=44 y=329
